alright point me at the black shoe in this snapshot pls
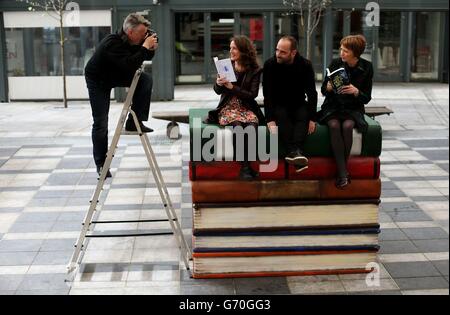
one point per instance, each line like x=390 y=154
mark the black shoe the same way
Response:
x=342 y=182
x=296 y=157
x=131 y=127
x=99 y=172
x=299 y=169
x=247 y=173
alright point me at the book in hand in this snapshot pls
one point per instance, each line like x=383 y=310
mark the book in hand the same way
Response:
x=338 y=78
x=225 y=69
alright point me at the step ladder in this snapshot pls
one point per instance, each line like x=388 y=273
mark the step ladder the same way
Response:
x=89 y=224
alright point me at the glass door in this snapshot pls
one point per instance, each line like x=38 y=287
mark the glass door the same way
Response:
x=189 y=48
x=425 y=58
x=388 y=48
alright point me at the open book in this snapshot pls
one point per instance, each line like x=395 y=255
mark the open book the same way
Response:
x=338 y=78
x=225 y=68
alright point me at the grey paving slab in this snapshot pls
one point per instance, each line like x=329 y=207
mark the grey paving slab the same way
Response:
x=38 y=217
x=422 y=283
x=431 y=246
x=10 y=282
x=399 y=206
x=392 y=235
x=398 y=247
x=20 y=245
x=31 y=227
x=53 y=258
x=43 y=292
x=442 y=266
x=411 y=269
x=425 y=233
x=260 y=286
x=410 y=216
x=44 y=282
x=58 y=245
x=17 y=258
x=218 y=288
x=58 y=179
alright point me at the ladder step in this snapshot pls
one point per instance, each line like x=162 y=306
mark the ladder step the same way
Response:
x=128 y=235
x=132 y=221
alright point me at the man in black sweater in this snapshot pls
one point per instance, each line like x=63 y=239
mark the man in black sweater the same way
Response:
x=114 y=64
x=290 y=99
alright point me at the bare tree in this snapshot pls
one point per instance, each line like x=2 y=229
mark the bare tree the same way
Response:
x=56 y=10
x=314 y=11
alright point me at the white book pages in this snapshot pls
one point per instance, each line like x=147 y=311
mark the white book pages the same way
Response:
x=225 y=68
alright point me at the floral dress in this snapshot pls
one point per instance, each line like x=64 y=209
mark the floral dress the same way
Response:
x=234 y=110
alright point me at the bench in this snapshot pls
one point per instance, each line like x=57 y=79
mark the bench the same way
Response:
x=175 y=117
x=373 y=111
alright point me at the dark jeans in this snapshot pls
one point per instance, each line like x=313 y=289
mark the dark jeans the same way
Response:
x=293 y=123
x=99 y=97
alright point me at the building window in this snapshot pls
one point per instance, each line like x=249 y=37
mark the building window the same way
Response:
x=36 y=51
x=189 y=47
x=426 y=46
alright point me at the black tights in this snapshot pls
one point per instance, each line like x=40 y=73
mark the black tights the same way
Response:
x=341 y=133
x=246 y=141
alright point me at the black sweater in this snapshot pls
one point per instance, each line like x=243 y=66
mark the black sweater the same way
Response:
x=288 y=86
x=115 y=61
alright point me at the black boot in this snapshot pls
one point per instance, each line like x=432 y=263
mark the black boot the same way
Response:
x=247 y=173
x=296 y=157
x=99 y=172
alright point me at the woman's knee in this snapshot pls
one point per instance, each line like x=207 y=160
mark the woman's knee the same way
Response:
x=334 y=124
x=348 y=125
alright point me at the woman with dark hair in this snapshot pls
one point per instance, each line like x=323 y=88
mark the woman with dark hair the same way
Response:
x=237 y=106
x=345 y=97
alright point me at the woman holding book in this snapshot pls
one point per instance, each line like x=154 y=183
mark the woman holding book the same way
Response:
x=347 y=88
x=237 y=106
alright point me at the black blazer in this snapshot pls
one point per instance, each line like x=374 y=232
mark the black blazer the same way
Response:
x=247 y=92
x=361 y=77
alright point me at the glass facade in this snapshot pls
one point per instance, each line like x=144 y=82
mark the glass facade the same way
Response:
x=189 y=47
x=425 y=61
x=35 y=52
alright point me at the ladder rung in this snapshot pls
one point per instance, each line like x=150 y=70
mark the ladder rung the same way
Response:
x=131 y=221
x=128 y=235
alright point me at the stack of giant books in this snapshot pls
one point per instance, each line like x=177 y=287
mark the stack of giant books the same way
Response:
x=283 y=223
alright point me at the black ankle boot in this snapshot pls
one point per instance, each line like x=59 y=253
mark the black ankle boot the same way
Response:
x=247 y=173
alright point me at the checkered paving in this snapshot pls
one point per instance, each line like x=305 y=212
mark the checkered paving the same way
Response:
x=45 y=189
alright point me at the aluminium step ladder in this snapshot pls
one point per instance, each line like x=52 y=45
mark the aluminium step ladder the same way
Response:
x=89 y=224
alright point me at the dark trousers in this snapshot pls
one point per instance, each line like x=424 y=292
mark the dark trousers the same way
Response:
x=99 y=98
x=293 y=123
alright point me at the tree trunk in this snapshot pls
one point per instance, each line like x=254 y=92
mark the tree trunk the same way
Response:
x=63 y=68
x=308 y=31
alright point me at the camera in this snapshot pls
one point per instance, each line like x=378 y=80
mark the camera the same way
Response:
x=150 y=32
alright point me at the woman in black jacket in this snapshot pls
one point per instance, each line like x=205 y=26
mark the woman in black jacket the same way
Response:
x=343 y=108
x=237 y=106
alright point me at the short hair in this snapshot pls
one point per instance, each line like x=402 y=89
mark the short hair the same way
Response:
x=292 y=40
x=355 y=43
x=133 y=20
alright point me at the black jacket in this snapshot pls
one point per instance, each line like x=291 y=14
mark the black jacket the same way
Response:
x=361 y=77
x=289 y=85
x=246 y=91
x=115 y=61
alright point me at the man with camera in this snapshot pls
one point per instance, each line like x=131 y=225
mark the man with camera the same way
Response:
x=114 y=64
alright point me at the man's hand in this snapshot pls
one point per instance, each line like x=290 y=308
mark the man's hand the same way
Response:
x=151 y=42
x=349 y=89
x=272 y=125
x=329 y=87
x=312 y=127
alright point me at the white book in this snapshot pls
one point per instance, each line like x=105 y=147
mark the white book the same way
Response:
x=225 y=68
x=329 y=74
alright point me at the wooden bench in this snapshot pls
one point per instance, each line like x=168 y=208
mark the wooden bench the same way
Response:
x=373 y=111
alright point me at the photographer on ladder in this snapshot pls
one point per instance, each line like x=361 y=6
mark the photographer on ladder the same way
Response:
x=113 y=64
